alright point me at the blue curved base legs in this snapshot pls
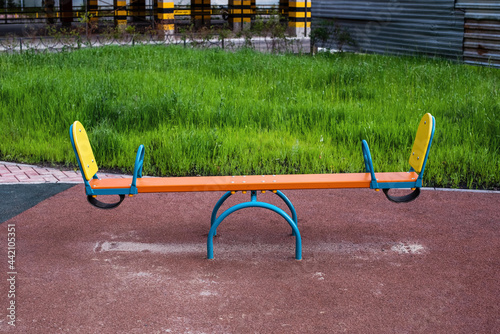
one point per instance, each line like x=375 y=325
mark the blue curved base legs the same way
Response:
x=290 y=207
x=253 y=197
x=215 y=221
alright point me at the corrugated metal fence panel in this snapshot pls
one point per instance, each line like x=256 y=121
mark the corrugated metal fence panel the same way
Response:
x=430 y=27
x=482 y=31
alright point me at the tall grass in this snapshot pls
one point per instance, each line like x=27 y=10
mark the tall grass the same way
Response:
x=210 y=112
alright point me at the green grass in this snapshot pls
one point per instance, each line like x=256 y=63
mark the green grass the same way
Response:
x=210 y=112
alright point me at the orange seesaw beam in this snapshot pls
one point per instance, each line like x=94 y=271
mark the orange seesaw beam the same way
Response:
x=252 y=182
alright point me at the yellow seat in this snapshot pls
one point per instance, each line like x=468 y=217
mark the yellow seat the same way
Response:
x=421 y=143
x=84 y=150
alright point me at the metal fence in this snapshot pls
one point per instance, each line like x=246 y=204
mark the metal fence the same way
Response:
x=481 y=31
x=193 y=40
x=465 y=30
x=432 y=27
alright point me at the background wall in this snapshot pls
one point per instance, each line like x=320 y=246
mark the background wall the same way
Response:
x=433 y=27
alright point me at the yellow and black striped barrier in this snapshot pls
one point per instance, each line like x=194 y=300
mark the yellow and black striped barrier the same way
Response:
x=120 y=7
x=299 y=17
x=201 y=12
x=240 y=13
x=92 y=10
x=166 y=16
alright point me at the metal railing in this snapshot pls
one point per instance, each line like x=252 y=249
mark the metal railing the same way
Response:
x=70 y=42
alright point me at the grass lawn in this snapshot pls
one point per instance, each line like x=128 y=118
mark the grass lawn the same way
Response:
x=211 y=112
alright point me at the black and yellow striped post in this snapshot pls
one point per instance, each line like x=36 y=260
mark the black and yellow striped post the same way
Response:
x=165 y=16
x=92 y=11
x=299 y=18
x=120 y=7
x=201 y=13
x=283 y=11
x=138 y=10
x=240 y=13
x=66 y=10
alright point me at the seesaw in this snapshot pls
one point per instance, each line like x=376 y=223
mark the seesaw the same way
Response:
x=252 y=183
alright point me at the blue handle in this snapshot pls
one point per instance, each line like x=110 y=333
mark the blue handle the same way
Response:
x=139 y=162
x=369 y=164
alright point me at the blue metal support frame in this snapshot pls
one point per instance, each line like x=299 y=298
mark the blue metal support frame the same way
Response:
x=421 y=174
x=253 y=203
x=290 y=207
x=139 y=163
x=369 y=164
x=280 y=194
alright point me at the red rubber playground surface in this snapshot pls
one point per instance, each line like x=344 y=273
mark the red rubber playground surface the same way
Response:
x=369 y=265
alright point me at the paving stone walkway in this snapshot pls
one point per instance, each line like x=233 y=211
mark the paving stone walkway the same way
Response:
x=15 y=173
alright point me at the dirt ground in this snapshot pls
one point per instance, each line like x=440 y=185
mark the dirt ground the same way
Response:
x=369 y=265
